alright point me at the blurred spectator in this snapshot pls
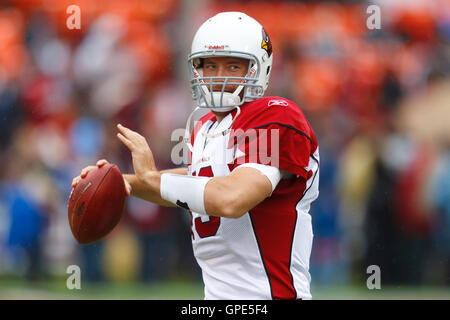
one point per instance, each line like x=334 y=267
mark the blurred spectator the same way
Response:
x=438 y=195
x=27 y=222
x=154 y=228
x=327 y=263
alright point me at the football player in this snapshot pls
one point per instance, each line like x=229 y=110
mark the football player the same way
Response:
x=253 y=169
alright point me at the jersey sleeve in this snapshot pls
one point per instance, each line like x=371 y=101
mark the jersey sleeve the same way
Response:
x=278 y=136
x=272 y=173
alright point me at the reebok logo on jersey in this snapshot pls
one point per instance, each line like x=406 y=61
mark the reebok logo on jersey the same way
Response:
x=278 y=103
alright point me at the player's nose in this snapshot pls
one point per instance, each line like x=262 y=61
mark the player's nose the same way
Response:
x=221 y=70
x=218 y=74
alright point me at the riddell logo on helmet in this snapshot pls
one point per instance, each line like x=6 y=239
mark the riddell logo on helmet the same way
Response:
x=216 y=47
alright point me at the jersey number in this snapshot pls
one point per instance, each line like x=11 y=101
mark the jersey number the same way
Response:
x=207 y=228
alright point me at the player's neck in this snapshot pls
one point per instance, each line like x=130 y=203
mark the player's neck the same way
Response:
x=220 y=115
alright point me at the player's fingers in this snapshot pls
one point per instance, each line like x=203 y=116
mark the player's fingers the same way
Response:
x=101 y=163
x=128 y=133
x=127 y=187
x=125 y=141
x=86 y=170
x=132 y=136
x=75 y=181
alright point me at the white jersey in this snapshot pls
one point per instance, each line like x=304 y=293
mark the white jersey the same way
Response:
x=265 y=253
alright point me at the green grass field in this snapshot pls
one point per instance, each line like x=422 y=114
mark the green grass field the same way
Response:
x=186 y=290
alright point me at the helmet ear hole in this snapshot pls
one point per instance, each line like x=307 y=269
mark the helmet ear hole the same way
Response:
x=198 y=63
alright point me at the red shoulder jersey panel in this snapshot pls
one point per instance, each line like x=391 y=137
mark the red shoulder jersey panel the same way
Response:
x=273 y=131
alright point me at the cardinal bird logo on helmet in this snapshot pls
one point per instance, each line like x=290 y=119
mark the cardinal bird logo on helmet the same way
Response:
x=266 y=44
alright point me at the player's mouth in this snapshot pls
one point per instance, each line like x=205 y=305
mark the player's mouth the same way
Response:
x=228 y=88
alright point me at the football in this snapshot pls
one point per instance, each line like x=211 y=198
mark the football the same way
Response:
x=96 y=204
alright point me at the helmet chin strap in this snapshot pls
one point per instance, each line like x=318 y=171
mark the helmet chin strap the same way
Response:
x=187 y=131
x=228 y=98
x=224 y=131
x=222 y=98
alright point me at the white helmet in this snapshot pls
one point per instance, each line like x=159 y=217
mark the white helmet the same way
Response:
x=230 y=34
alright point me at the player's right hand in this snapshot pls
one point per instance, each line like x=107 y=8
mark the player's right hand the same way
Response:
x=99 y=164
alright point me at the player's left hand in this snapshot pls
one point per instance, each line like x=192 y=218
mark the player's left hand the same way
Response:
x=143 y=160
